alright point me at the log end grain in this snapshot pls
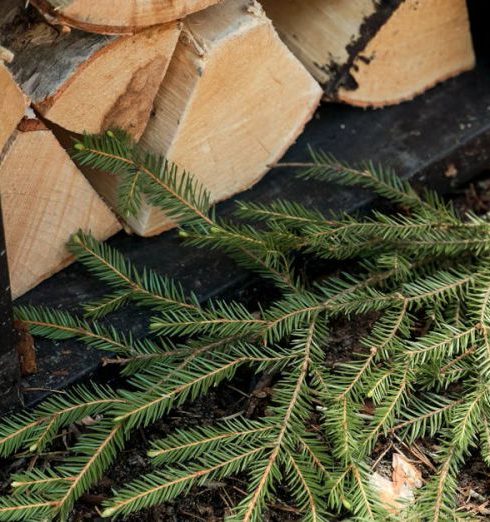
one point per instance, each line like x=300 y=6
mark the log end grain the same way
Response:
x=116 y=86
x=13 y=104
x=233 y=100
x=45 y=199
x=422 y=44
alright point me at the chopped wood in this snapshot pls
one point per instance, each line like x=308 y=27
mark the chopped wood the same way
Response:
x=405 y=474
x=117 y=16
x=13 y=104
x=45 y=199
x=25 y=349
x=325 y=35
x=6 y=55
x=232 y=102
x=85 y=82
x=371 y=53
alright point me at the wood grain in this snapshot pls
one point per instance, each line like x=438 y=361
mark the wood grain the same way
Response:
x=13 y=104
x=45 y=199
x=319 y=32
x=118 y=16
x=233 y=100
x=423 y=43
x=372 y=54
x=87 y=82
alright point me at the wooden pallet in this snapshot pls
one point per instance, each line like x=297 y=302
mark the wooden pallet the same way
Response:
x=446 y=128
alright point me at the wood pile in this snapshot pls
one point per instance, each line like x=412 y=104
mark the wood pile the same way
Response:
x=371 y=53
x=45 y=198
x=222 y=88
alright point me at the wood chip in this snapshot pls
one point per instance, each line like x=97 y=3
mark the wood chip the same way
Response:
x=397 y=492
x=25 y=349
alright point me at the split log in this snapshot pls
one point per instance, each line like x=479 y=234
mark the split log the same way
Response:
x=13 y=104
x=371 y=53
x=118 y=16
x=45 y=199
x=86 y=82
x=233 y=100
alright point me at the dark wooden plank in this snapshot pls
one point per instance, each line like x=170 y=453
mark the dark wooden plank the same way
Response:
x=9 y=363
x=449 y=125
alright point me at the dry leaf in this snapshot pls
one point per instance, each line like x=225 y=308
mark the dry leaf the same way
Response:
x=451 y=171
x=89 y=421
x=405 y=474
x=386 y=491
x=396 y=493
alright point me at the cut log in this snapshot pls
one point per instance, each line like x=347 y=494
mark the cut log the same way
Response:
x=371 y=53
x=13 y=104
x=85 y=82
x=233 y=100
x=118 y=16
x=45 y=199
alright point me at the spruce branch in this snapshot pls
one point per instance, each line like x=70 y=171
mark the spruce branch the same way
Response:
x=38 y=428
x=24 y=507
x=289 y=399
x=147 y=288
x=164 y=486
x=420 y=372
x=177 y=193
x=383 y=182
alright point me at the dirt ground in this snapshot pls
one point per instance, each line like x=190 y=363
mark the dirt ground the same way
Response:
x=251 y=395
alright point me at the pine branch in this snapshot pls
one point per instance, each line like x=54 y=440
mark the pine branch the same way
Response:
x=386 y=414
x=98 y=451
x=382 y=181
x=381 y=343
x=438 y=499
x=30 y=508
x=308 y=489
x=422 y=372
x=36 y=481
x=290 y=399
x=38 y=429
x=188 y=445
x=56 y=325
x=145 y=408
x=485 y=439
x=176 y=192
x=108 y=304
x=149 y=288
x=164 y=486
x=425 y=416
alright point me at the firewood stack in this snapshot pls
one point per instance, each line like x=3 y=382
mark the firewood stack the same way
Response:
x=208 y=83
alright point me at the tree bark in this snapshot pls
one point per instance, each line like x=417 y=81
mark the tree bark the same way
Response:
x=87 y=82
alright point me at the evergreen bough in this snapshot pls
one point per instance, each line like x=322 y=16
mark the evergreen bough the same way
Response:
x=424 y=263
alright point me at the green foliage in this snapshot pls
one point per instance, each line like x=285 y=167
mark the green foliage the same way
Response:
x=422 y=372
